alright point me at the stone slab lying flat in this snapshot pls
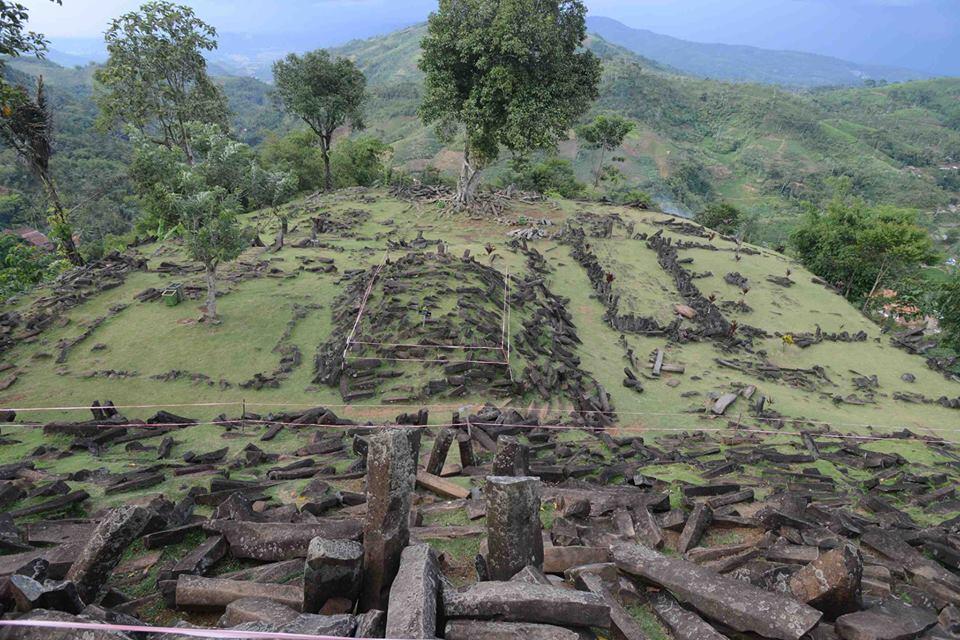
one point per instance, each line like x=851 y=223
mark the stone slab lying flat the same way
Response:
x=524 y=602
x=736 y=604
x=270 y=542
x=196 y=592
x=480 y=630
x=683 y=624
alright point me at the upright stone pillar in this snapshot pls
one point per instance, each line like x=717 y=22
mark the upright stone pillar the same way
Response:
x=514 y=537
x=438 y=455
x=391 y=476
x=512 y=458
x=465 y=444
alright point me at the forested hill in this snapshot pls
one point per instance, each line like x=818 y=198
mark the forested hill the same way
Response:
x=746 y=64
x=760 y=147
x=764 y=149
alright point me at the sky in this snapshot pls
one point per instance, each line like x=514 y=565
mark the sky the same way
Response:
x=918 y=34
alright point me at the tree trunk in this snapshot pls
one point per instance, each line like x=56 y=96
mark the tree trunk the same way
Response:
x=185 y=142
x=599 y=172
x=327 y=173
x=211 y=277
x=467 y=184
x=876 y=284
x=281 y=236
x=62 y=218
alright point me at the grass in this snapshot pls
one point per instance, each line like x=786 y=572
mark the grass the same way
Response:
x=145 y=583
x=150 y=338
x=653 y=629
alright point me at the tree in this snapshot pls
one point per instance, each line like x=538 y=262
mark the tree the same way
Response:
x=605 y=133
x=23 y=266
x=948 y=306
x=161 y=174
x=856 y=247
x=26 y=126
x=721 y=217
x=213 y=236
x=15 y=40
x=201 y=200
x=510 y=73
x=155 y=79
x=325 y=93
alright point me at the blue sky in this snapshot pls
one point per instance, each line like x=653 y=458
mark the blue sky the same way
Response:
x=922 y=34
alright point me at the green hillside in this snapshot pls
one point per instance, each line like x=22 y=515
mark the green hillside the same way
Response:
x=281 y=310
x=762 y=148
x=574 y=329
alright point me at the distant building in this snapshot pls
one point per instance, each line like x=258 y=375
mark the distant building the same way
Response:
x=34 y=237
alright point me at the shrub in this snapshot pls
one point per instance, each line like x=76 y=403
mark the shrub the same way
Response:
x=552 y=175
x=722 y=217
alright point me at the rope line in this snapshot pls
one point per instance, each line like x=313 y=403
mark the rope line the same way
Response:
x=458 y=406
x=196 y=633
x=624 y=429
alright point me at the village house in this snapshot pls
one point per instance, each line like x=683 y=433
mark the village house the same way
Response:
x=34 y=237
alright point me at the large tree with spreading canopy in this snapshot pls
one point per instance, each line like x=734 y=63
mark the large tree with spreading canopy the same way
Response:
x=156 y=77
x=507 y=74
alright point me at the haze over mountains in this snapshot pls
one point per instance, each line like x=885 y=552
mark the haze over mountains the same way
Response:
x=740 y=63
x=248 y=54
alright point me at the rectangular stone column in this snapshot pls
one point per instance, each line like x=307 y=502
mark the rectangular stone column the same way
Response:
x=391 y=477
x=413 y=597
x=438 y=455
x=512 y=458
x=104 y=548
x=514 y=533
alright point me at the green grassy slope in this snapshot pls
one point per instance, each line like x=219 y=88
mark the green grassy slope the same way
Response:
x=149 y=339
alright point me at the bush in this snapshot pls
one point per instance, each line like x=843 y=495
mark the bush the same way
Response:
x=430 y=176
x=359 y=162
x=721 y=217
x=859 y=248
x=296 y=152
x=633 y=197
x=97 y=249
x=13 y=208
x=552 y=175
x=948 y=305
x=23 y=266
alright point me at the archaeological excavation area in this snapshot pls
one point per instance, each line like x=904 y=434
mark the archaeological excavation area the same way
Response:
x=557 y=421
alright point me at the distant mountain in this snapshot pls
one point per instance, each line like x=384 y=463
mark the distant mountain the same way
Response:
x=65 y=59
x=746 y=64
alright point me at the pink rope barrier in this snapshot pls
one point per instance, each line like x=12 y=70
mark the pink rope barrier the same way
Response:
x=196 y=633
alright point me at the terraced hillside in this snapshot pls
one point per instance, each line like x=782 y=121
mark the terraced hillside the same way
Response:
x=636 y=363
x=594 y=292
